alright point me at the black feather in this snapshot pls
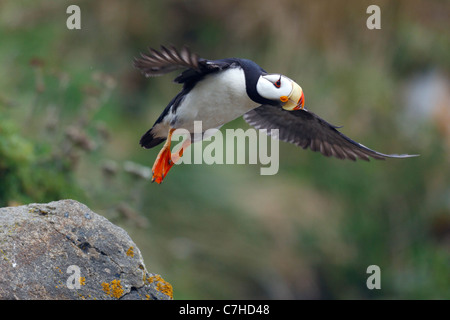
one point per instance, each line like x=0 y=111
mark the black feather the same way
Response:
x=306 y=129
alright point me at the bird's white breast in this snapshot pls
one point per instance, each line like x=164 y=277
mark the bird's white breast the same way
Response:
x=217 y=99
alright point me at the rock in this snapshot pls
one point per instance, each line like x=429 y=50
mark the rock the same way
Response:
x=63 y=250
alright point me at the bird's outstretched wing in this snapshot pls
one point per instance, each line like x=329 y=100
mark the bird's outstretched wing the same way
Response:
x=305 y=129
x=160 y=62
x=165 y=60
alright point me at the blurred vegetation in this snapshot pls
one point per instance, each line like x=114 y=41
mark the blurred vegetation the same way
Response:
x=72 y=110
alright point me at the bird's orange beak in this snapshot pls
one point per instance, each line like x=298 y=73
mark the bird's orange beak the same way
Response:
x=295 y=100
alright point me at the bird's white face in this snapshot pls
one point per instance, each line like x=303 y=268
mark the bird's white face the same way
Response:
x=279 y=88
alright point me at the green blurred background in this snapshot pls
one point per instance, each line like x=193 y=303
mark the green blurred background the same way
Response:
x=73 y=108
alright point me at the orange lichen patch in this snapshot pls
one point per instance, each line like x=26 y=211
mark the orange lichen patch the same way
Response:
x=116 y=289
x=113 y=289
x=161 y=285
x=82 y=281
x=106 y=288
x=130 y=252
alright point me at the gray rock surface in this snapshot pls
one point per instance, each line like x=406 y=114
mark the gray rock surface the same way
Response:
x=63 y=250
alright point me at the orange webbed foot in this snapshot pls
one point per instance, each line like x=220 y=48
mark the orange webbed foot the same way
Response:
x=162 y=165
x=165 y=160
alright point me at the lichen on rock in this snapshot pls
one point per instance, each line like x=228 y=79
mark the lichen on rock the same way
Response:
x=63 y=250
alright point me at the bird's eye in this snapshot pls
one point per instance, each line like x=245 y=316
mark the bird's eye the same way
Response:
x=278 y=83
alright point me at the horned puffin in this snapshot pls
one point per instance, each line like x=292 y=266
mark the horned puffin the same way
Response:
x=219 y=91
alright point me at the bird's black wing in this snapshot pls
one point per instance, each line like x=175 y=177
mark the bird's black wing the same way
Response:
x=165 y=60
x=305 y=129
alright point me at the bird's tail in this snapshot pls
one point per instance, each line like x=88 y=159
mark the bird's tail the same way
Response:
x=149 y=140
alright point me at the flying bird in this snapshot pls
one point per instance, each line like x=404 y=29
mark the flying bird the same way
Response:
x=219 y=91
